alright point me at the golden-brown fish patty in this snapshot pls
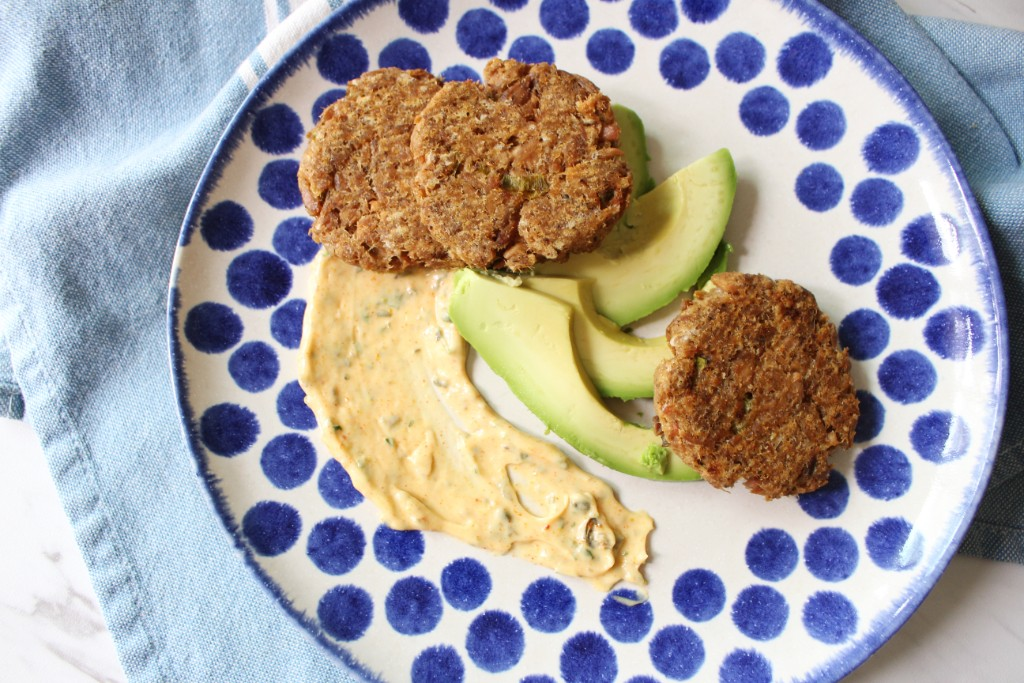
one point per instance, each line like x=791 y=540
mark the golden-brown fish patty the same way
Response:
x=521 y=168
x=757 y=387
x=356 y=175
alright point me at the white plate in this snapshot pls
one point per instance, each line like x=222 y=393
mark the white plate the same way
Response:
x=846 y=186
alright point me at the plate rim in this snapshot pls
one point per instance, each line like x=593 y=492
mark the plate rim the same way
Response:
x=817 y=17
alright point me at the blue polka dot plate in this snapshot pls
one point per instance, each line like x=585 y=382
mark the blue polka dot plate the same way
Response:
x=845 y=185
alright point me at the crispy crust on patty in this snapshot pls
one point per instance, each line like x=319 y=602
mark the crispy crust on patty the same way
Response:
x=521 y=169
x=757 y=387
x=356 y=175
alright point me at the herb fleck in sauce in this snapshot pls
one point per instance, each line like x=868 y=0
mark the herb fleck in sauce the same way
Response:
x=397 y=409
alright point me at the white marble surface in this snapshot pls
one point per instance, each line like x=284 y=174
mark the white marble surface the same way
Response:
x=970 y=628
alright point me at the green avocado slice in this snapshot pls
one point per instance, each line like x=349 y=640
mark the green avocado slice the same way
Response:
x=619 y=364
x=526 y=338
x=633 y=143
x=663 y=243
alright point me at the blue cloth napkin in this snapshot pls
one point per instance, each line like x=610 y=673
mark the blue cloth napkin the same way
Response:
x=108 y=113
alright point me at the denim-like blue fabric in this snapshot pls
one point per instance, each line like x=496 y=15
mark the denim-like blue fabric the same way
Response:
x=108 y=113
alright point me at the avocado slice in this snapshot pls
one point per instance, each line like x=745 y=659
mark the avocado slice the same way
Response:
x=619 y=364
x=526 y=338
x=633 y=143
x=663 y=243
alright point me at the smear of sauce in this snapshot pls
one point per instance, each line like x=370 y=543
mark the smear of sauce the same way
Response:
x=384 y=370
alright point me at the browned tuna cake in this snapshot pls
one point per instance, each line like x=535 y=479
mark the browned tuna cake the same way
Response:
x=520 y=169
x=356 y=174
x=757 y=387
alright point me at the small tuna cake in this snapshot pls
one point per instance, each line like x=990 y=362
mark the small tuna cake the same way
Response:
x=757 y=387
x=356 y=174
x=521 y=169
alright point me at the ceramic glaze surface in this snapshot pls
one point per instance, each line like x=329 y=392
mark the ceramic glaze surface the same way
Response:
x=845 y=186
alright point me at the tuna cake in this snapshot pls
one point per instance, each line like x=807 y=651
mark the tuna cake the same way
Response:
x=757 y=387
x=356 y=174
x=520 y=169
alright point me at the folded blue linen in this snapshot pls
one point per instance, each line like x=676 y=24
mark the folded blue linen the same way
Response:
x=108 y=113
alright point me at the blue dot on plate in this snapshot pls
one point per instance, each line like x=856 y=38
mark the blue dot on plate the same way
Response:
x=510 y=5
x=892 y=545
x=831 y=554
x=335 y=486
x=698 y=594
x=906 y=291
x=292 y=241
x=765 y=111
x=531 y=50
x=876 y=201
x=872 y=416
x=481 y=33
x=495 y=641
x=930 y=241
x=684 y=64
x=821 y=125
x=404 y=53
x=324 y=101
x=653 y=18
x=855 y=260
x=883 y=472
x=278 y=184
x=271 y=527
x=610 y=51
x=466 y=583
x=625 y=617
x=345 y=612
x=830 y=500
x=288 y=460
x=891 y=148
x=413 y=606
x=907 y=376
x=760 y=612
x=704 y=11
x=277 y=129
x=677 y=652
x=548 y=605
x=438 y=664
x=396 y=549
x=865 y=333
x=819 y=187
x=830 y=617
x=564 y=19
x=460 y=72
x=940 y=436
x=745 y=666
x=286 y=323
x=639 y=679
x=228 y=429
x=336 y=545
x=292 y=408
x=740 y=57
x=537 y=678
x=771 y=554
x=423 y=16
x=254 y=366
x=588 y=658
x=804 y=60
x=212 y=327
x=259 y=279
x=955 y=333
x=342 y=58
x=226 y=225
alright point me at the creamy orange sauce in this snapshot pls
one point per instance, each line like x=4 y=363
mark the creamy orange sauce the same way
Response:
x=384 y=370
